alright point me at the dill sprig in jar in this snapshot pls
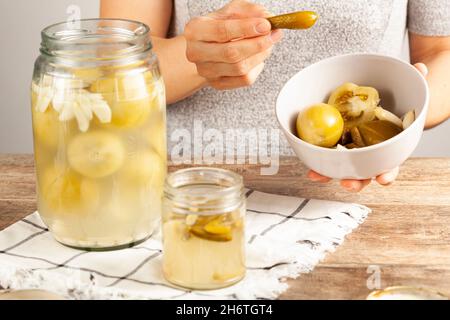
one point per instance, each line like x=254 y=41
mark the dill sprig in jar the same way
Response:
x=203 y=228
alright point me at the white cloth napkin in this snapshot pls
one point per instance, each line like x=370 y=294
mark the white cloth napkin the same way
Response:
x=285 y=236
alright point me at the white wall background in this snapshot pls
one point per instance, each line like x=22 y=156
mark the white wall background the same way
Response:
x=20 y=24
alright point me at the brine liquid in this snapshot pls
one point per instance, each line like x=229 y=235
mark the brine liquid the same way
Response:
x=100 y=187
x=204 y=254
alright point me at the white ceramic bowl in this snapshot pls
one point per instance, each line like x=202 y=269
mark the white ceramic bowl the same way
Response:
x=402 y=88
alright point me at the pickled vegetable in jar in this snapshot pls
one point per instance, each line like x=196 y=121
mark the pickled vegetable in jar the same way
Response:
x=203 y=228
x=98 y=110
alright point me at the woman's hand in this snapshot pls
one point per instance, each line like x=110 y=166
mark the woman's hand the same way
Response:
x=229 y=46
x=384 y=179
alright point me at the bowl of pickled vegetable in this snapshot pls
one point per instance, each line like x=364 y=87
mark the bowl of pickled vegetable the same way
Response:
x=354 y=116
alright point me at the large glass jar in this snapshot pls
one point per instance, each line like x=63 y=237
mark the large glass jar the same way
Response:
x=98 y=109
x=203 y=228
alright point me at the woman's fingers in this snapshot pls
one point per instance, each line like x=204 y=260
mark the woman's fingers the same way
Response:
x=219 y=69
x=226 y=83
x=229 y=46
x=354 y=185
x=230 y=52
x=217 y=30
x=388 y=177
x=316 y=177
x=383 y=179
x=348 y=184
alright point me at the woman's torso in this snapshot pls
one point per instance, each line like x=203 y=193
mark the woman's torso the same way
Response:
x=375 y=26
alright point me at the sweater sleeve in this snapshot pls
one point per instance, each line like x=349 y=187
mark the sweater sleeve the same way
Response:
x=429 y=17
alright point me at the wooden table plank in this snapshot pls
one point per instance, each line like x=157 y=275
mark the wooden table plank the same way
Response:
x=407 y=236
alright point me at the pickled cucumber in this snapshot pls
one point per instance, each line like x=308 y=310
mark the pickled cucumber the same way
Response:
x=357 y=139
x=213 y=228
x=217 y=226
x=294 y=20
x=377 y=131
x=202 y=233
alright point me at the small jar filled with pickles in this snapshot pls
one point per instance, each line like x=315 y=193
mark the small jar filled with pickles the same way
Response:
x=203 y=228
x=98 y=111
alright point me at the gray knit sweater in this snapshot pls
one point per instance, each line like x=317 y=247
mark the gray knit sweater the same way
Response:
x=345 y=26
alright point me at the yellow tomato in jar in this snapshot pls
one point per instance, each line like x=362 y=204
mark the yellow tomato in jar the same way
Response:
x=63 y=191
x=155 y=133
x=96 y=154
x=321 y=125
x=46 y=127
x=144 y=167
x=88 y=74
x=128 y=96
x=49 y=132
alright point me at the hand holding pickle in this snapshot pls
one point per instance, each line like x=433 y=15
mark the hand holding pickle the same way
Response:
x=294 y=20
x=229 y=46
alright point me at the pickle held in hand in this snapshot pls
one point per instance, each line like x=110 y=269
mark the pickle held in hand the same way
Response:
x=294 y=20
x=352 y=118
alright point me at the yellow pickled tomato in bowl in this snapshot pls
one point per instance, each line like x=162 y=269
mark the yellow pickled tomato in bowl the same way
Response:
x=64 y=191
x=144 y=167
x=96 y=154
x=128 y=97
x=352 y=100
x=321 y=125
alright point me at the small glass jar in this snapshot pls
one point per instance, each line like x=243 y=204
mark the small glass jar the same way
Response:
x=203 y=228
x=99 y=124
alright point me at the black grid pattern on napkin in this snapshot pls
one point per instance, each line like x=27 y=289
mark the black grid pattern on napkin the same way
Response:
x=285 y=219
x=153 y=253
x=55 y=265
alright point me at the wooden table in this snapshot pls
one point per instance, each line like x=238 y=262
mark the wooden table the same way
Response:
x=406 y=237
